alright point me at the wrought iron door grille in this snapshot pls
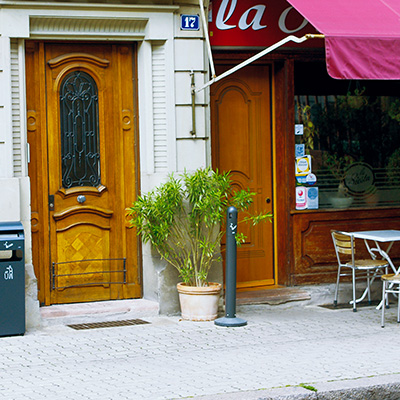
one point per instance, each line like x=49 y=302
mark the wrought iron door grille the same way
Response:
x=108 y=324
x=79 y=119
x=94 y=272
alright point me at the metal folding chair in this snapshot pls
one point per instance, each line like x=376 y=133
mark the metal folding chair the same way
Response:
x=391 y=284
x=367 y=269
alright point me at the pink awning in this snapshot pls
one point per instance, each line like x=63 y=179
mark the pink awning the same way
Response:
x=362 y=37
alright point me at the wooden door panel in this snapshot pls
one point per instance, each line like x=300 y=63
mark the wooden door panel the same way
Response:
x=233 y=110
x=89 y=94
x=76 y=245
x=241 y=130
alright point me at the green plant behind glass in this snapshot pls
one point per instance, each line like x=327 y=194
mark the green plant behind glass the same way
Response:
x=393 y=168
x=309 y=129
x=367 y=128
x=184 y=219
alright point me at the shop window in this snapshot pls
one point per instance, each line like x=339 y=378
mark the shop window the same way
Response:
x=351 y=130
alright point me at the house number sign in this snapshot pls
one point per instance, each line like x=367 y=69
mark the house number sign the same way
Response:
x=190 y=22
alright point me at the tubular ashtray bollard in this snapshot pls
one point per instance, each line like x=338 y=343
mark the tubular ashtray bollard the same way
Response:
x=230 y=318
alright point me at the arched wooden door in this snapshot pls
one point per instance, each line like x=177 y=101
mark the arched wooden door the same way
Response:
x=81 y=106
x=241 y=143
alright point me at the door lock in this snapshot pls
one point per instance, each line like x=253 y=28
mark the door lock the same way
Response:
x=51 y=202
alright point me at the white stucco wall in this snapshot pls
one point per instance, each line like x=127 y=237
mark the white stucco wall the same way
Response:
x=165 y=117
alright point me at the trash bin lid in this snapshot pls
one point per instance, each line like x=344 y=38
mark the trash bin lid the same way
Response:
x=11 y=227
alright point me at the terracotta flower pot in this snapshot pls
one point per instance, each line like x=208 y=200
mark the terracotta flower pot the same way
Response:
x=199 y=303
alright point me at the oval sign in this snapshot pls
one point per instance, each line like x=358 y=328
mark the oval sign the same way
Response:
x=359 y=178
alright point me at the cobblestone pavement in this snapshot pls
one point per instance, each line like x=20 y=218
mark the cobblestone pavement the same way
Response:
x=282 y=346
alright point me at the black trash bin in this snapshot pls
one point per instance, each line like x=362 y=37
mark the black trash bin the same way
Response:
x=12 y=279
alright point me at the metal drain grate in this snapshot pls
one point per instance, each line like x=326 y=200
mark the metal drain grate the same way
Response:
x=108 y=324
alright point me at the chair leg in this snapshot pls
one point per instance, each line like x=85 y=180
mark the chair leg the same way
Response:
x=354 y=290
x=337 y=288
x=387 y=299
x=398 y=302
x=383 y=304
x=369 y=286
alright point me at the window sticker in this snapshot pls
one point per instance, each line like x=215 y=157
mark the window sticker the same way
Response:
x=299 y=150
x=301 y=198
x=311 y=179
x=303 y=166
x=298 y=129
x=312 y=198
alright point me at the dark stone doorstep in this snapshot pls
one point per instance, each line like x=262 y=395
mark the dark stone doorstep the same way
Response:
x=272 y=296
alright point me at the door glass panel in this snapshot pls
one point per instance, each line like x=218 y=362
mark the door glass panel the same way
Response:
x=79 y=119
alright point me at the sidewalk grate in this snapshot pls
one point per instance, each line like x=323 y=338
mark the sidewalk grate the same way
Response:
x=108 y=324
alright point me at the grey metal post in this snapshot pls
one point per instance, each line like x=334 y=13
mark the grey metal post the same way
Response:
x=230 y=318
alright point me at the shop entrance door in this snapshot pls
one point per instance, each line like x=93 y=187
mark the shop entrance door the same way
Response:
x=81 y=133
x=241 y=143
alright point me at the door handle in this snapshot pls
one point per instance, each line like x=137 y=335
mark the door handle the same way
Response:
x=268 y=200
x=81 y=198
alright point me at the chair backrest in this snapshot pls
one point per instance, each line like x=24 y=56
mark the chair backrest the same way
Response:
x=344 y=244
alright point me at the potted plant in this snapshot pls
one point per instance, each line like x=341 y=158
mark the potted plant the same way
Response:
x=338 y=167
x=183 y=219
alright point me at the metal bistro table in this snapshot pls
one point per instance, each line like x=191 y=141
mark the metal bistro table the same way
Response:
x=379 y=237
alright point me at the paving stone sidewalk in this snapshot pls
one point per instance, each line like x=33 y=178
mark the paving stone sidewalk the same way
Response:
x=281 y=348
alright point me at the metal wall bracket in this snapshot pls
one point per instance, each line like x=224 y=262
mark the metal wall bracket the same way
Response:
x=193 y=94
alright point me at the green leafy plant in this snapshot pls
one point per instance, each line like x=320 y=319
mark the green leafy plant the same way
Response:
x=394 y=110
x=309 y=129
x=338 y=166
x=356 y=100
x=393 y=167
x=183 y=217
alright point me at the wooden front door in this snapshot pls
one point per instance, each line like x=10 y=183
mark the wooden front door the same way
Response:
x=241 y=132
x=81 y=131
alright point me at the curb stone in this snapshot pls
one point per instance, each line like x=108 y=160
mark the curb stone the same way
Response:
x=374 y=388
